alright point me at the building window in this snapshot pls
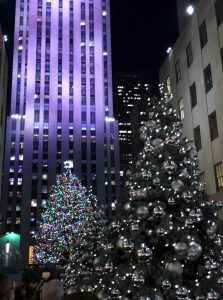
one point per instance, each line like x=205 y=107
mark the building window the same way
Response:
x=219 y=176
x=203 y=34
x=181 y=108
x=208 y=78
x=168 y=85
x=202 y=178
x=189 y=54
x=219 y=11
x=197 y=138
x=193 y=95
x=178 y=71
x=221 y=53
x=213 y=125
x=31 y=255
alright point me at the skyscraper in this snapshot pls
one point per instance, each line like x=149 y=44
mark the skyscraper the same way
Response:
x=3 y=96
x=61 y=108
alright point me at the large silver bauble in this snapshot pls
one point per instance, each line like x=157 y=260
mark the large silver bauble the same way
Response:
x=174 y=267
x=181 y=248
x=142 y=212
x=177 y=185
x=194 y=251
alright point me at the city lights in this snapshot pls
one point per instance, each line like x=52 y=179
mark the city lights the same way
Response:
x=190 y=9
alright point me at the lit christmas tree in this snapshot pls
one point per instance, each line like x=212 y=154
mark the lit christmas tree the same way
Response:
x=165 y=242
x=91 y=234
x=58 y=228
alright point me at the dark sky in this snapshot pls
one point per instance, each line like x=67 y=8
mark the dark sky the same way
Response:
x=141 y=32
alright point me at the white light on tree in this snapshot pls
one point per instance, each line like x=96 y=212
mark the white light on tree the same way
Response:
x=7 y=247
x=168 y=50
x=190 y=9
x=68 y=164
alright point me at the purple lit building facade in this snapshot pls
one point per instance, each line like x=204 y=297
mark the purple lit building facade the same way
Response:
x=61 y=108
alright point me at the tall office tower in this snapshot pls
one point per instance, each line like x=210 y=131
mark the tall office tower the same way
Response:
x=3 y=97
x=61 y=108
x=130 y=91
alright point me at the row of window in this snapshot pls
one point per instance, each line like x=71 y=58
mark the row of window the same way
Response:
x=218 y=170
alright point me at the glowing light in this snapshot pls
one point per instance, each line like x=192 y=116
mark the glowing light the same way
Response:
x=168 y=50
x=68 y=164
x=109 y=119
x=190 y=10
x=5 y=38
x=7 y=247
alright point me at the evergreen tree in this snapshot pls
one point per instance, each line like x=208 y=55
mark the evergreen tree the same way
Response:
x=58 y=228
x=91 y=234
x=165 y=242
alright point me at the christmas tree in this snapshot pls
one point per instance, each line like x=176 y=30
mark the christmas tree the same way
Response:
x=91 y=233
x=165 y=242
x=58 y=228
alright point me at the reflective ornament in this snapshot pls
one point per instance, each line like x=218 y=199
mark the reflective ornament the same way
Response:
x=138 y=277
x=142 y=212
x=161 y=232
x=158 y=297
x=144 y=252
x=220 y=281
x=177 y=185
x=143 y=137
x=213 y=295
x=171 y=201
x=169 y=166
x=218 y=205
x=187 y=196
x=193 y=153
x=196 y=215
x=194 y=251
x=127 y=207
x=184 y=173
x=108 y=267
x=211 y=229
x=181 y=248
x=166 y=285
x=108 y=247
x=174 y=267
x=181 y=292
x=115 y=292
x=115 y=225
x=140 y=194
x=158 y=212
x=134 y=227
x=151 y=124
x=125 y=244
x=157 y=143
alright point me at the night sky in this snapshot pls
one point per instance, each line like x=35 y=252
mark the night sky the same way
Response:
x=141 y=32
